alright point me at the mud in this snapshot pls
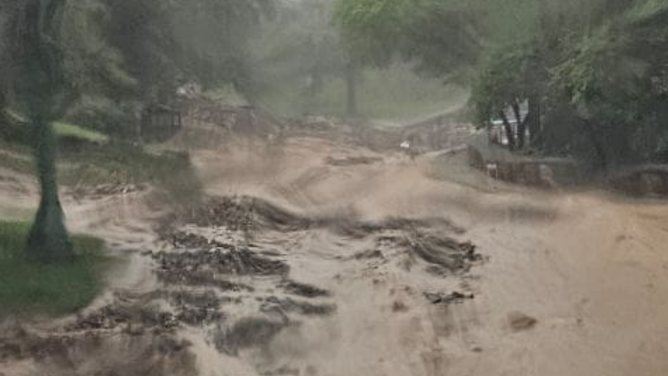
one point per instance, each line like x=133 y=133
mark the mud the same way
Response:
x=105 y=190
x=443 y=254
x=443 y=298
x=304 y=290
x=248 y=332
x=98 y=355
x=160 y=312
x=293 y=266
x=518 y=321
x=219 y=259
x=288 y=305
x=237 y=246
x=243 y=213
x=221 y=270
x=199 y=279
x=196 y=309
x=131 y=318
x=352 y=161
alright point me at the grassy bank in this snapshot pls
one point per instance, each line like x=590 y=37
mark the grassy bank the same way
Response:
x=72 y=130
x=122 y=164
x=111 y=163
x=35 y=289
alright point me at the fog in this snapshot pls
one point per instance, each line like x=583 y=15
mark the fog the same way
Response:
x=333 y=187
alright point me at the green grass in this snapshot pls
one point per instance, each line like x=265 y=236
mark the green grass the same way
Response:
x=42 y=289
x=71 y=130
x=63 y=129
x=116 y=164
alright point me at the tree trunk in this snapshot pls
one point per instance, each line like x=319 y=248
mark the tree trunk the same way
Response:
x=351 y=86
x=3 y=114
x=533 y=122
x=48 y=240
x=521 y=126
x=601 y=157
x=509 y=130
x=39 y=83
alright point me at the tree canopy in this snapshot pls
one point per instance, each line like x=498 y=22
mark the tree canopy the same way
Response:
x=121 y=55
x=590 y=76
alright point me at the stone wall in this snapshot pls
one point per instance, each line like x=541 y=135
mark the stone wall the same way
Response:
x=643 y=180
x=501 y=164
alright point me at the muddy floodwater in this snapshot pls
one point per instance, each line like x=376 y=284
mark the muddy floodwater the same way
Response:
x=316 y=257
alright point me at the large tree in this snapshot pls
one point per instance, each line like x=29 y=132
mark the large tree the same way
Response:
x=35 y=59
x=609 y=83
x=508 y=79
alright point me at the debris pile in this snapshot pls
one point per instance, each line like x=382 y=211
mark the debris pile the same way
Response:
x=243 y=213
x=219 y=260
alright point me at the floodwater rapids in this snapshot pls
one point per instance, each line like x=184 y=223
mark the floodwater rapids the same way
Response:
x=382 y=266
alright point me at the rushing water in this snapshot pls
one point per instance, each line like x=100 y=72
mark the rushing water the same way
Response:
x=362 y=268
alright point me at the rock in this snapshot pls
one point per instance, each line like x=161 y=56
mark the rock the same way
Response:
x=399 y=306
x=518 y=321
x=442 y=298
x=304 y=290
x=248 y=332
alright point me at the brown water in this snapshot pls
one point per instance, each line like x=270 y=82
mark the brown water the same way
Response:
x=570 y=283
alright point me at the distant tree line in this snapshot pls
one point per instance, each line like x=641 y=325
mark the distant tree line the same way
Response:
x=587 y=79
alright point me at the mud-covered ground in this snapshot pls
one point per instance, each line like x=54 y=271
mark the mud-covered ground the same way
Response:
x=314 y=256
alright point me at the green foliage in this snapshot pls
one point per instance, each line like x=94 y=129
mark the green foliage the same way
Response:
x=75 y=131
x=51 y=289
x=594 y=73
x=114 y=57
x=372 y=28
x=164 y=43
x=440 y=36
x=92 y=65
x=302 y=65
x=34 y=56
x=611 y=78
x=213 y=36
x=509 y=76
x=17 y=130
